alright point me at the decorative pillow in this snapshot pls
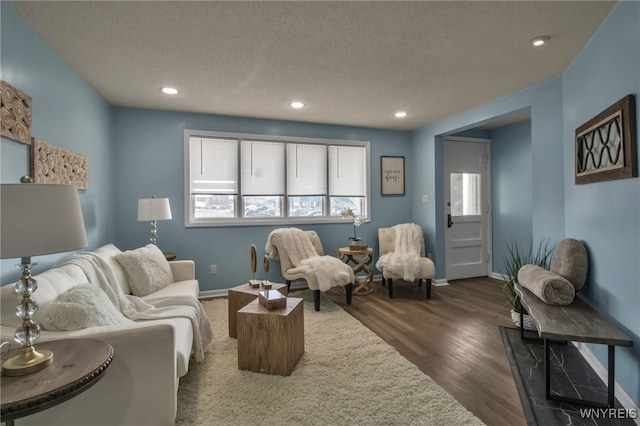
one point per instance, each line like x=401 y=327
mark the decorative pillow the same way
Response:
x=550 y=287
x=571 y=261
x=82 y=306
x=146 y=268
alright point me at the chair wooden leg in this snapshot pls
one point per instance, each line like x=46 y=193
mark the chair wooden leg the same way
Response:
x=390 y=282
x=316 y=300
x=420 y=282
x=383 y=282
x=349 y=291
x=288 y=282
x=429 y=289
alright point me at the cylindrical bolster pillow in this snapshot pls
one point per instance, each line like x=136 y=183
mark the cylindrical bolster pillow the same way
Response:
x=550 y=287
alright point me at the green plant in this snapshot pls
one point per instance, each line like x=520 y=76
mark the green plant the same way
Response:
x=516 y=259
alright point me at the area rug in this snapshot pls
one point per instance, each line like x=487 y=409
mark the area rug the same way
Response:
x=347 y=376
x=571 y=375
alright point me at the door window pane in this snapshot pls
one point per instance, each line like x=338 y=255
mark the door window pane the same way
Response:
x=466 y=194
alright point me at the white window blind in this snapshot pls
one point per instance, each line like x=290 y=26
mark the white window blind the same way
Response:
x=347 y=171
x=214 y=166
x=263 y=168
x=306 y=169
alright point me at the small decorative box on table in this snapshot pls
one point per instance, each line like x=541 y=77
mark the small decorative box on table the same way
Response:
x=271 y=342
x=272 y=299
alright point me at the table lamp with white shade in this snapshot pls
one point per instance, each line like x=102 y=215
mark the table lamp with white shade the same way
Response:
x=154 y=209
x=36 y=219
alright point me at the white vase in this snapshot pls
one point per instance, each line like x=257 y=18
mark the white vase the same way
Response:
x=528 y=321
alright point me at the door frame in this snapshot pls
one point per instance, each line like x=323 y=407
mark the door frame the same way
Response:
x=489 y=220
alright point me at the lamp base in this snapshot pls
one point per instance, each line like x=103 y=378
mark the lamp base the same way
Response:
x=29 y=361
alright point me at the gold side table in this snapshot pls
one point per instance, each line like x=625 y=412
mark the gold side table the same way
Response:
x=359 y=261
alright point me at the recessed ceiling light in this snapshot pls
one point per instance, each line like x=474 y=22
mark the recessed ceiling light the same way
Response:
x=400 y=114
x=169 y=91
x=539 y=41
x=296 y=105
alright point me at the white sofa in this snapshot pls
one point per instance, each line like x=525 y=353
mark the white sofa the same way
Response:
x=139 y=387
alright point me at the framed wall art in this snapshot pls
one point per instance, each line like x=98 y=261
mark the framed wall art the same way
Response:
x=392 y=175
x=15 y=106
x=605 y=146
x=53 y=164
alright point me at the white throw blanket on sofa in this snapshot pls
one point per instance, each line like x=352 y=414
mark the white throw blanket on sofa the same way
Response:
x=135 y=308
x=329 y=271
x=404 y=261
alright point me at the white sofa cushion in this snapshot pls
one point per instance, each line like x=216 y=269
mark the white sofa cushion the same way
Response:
x=178 y=289
x=51 y=283
x=183 y=336
x=82 y=306
x=107 y=253
x=146 y=268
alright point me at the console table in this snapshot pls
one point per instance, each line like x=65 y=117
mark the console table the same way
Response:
x=576 y=322
x=77 y=365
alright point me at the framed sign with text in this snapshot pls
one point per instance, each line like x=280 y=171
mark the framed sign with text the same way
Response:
x=392 y=175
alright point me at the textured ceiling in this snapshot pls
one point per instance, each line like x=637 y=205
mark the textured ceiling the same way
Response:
x=352 y=63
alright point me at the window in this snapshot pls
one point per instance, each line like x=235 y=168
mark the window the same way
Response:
x=306 y=179
x=466 y=196
x=237 y=179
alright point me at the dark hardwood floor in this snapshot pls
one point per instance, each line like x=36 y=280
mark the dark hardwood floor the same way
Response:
x=453 y=338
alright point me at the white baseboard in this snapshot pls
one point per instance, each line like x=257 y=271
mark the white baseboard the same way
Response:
x=299 y=285
x=208 y=294
x=496 y=276
x=624 y=398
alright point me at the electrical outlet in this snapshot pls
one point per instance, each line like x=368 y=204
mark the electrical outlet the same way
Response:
x=425 y=199
x=214 y=269
x=429 y=255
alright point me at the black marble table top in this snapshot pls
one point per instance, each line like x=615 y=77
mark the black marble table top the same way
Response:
x=571 y=376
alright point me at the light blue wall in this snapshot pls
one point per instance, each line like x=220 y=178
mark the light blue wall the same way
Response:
x=67 y=112
x=547 y=211
x=150 y=161
x=140 y=153
x=606 y=215
x=511 y=174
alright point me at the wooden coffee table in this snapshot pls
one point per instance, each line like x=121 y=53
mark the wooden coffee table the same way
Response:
x=241 y=295
x=271 y=342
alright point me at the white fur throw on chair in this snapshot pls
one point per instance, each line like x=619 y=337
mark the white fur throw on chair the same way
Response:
x=405 y=260
x=326 y=271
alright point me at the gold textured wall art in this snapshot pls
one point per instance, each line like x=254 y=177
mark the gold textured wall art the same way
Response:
x=53 y=164
x=15 y=106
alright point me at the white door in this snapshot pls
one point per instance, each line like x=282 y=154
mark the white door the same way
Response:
x=467 y=207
